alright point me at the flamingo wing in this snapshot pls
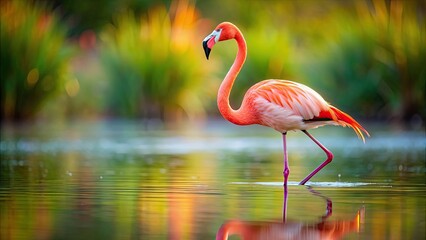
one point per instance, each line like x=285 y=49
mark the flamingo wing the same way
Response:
x=286 y=105
x=300 y=99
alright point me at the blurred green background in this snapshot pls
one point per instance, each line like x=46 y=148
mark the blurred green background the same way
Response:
x=143 y=59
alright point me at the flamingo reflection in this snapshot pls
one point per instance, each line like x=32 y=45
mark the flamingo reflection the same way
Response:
x=293 y=229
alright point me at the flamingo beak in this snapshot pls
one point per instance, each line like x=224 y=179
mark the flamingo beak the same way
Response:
x=207 y=50
x=210 y=41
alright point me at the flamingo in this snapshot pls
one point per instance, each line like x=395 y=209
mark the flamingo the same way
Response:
x=279 y=104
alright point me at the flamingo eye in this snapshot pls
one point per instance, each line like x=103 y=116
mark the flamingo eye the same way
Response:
x=217 y=33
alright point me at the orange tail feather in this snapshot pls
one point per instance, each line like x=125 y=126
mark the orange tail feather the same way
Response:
x=347 y=121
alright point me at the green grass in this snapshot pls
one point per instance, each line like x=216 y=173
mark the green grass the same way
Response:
x=153 y=67
x=366 y=57
x=373 y=64
x=34 y=56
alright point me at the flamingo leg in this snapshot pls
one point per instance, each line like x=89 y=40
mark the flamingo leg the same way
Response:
x=286 y=169
x=327 y=161
x=285 y=197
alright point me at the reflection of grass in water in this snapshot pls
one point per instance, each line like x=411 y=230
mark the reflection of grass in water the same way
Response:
x=124 y=190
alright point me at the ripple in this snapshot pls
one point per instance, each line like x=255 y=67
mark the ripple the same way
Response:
x=316 y=184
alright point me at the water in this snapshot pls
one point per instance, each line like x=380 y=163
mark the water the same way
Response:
x=118 y=180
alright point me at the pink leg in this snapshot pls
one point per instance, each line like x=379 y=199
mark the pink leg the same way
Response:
x=327 y=161
x=286 y=170
x=285 y=203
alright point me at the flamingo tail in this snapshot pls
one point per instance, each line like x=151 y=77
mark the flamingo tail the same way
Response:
x=345 y=120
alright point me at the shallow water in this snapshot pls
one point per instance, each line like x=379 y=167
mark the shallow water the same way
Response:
x=124 y=180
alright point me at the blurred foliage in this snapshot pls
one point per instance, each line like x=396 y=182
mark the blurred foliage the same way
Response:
x=153 y=68
x=374 y=64
x=93 y=15
x=145 y=58
x=34 y=56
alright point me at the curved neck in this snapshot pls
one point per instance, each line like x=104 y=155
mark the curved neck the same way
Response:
x=235 y=116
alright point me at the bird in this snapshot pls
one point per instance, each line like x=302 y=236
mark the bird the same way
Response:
x=279 y=104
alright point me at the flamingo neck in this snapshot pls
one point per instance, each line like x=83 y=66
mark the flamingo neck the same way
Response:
x=240 y=116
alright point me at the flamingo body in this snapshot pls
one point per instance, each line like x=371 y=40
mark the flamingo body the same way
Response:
x=285 y=105
x=280 y=104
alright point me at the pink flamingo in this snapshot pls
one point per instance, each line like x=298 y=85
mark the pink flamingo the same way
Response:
x=280 y=104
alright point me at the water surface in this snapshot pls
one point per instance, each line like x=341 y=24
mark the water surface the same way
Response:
x=125 y=180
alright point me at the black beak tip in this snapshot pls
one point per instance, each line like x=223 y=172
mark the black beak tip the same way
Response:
x=206 y=49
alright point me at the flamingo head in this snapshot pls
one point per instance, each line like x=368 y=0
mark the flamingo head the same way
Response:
x=222 y=32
